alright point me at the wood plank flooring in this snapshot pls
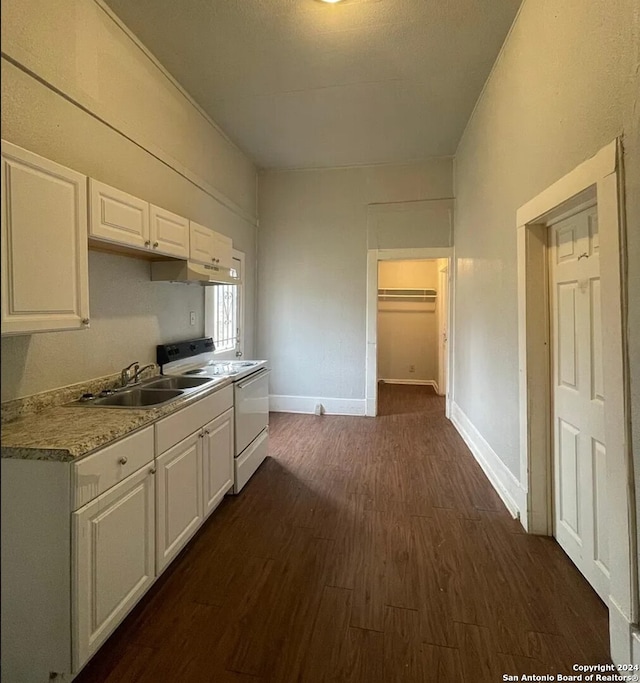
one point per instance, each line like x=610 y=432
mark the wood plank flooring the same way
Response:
x=363 y=550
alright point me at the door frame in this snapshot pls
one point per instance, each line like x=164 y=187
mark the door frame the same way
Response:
x=443 y=379
x=598 y=178
x=371 y=357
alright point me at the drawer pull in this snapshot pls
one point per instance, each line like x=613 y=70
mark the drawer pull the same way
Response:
x=152 y=470
x=123 y=460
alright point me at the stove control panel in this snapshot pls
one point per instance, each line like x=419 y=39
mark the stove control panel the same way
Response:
x=168 y=353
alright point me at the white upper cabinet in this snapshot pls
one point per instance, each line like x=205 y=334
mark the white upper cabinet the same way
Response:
x=222 y=249
x=209 y=247
x=201 y=243
x=45 y=285
x=118 y=217
x=169 y=233
x=125 y=220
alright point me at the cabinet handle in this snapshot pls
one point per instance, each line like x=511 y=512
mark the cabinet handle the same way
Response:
x=155 y=244
x=206 y=431
x=152 y=470
x=147 y=243
x=123 y=460
x=85 y=321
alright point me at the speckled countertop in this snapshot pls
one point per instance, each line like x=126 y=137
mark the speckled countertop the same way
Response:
x=64 y=433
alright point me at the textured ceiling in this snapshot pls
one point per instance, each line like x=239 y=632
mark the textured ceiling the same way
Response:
x=301 y=83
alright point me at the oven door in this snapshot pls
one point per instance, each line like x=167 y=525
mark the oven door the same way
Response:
x=252 y=408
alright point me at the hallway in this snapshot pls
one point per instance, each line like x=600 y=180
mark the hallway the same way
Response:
x=364 y=550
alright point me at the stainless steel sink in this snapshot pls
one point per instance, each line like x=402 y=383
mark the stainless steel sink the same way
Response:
x=149 y=393
x=137 y=398
x=177 y=382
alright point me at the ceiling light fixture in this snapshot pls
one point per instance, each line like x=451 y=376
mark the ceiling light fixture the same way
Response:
x=332 y=2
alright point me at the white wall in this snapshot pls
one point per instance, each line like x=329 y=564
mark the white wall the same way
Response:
x=129 y=316
x=565 y=85
x=77 y=89
x=312 y=246
x=407 y=331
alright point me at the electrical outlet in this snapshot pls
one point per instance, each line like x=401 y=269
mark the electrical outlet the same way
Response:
x=192 y=317
x=412 y=368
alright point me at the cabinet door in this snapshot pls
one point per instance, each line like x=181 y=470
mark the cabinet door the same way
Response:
x=113 y=560
x=217 y=460
x=118 y=217
x=169 y=233
x=178 y=498
x=222 y=249
x=201 y=241
x=45 y=283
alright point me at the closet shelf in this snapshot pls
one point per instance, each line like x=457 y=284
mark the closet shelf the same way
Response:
x=416 y=295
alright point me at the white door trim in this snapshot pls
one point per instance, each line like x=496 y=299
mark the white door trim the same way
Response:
x=371 y=367
x=599 y=178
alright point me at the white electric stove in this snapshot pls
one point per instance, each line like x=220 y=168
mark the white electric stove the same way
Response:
x=250 y=391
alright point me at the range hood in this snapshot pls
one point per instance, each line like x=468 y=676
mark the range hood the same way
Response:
x=188 y=271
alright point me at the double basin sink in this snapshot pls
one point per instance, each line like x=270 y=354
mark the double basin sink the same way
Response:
x=149 y=393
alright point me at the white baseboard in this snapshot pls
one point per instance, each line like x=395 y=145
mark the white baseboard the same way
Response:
x=501 y=478
x=421 y=382
x=307 y=405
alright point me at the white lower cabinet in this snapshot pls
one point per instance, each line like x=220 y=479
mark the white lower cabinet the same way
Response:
x=113 y=559
x=217 y=460
x=84 y=540
x=179 y=510
x=192 y=478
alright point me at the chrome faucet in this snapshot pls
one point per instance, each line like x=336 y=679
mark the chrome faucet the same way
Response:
x=138 y=371
x=131 y=374
x=125 y=373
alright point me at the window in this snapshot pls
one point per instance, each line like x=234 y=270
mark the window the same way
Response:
x=223 y=314
x=225 y=331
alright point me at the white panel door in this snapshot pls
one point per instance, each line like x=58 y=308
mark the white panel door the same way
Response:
x=45 y=282
x=179 y=510
x=118 y=217
x=113 y=560
x=169 y=233
x=578 y=396
x=217 y=460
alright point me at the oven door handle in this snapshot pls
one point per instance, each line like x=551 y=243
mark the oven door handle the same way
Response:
x=254 y=378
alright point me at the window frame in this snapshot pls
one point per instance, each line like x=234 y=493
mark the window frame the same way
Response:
x=209 y=303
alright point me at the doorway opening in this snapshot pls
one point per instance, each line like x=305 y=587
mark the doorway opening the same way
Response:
x=408 y=324
x=412 y=331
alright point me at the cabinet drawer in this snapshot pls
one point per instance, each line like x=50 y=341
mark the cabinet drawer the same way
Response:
x=174 y=428
x=97 y=473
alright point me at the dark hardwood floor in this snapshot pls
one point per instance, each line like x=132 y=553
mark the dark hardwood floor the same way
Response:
x=363 y=550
